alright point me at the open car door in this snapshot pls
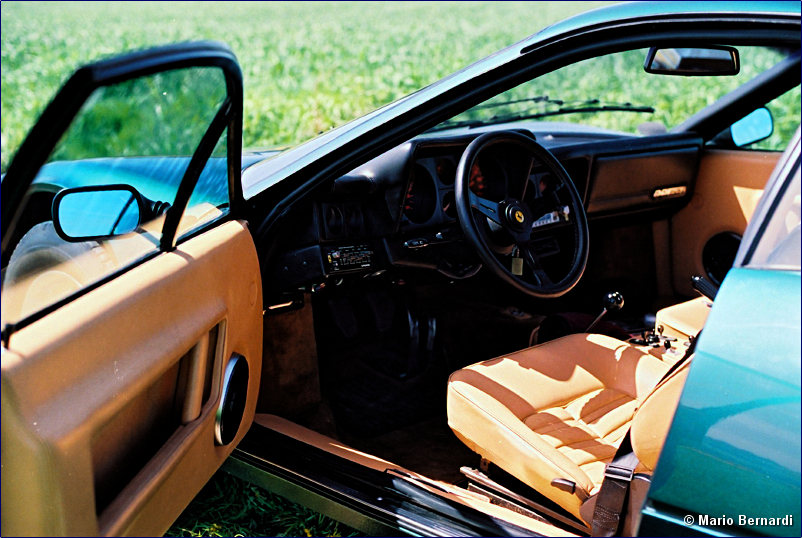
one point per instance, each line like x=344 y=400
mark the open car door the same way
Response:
x=131 y=296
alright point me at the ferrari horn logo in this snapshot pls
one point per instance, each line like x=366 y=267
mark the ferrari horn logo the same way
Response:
x=519 y=216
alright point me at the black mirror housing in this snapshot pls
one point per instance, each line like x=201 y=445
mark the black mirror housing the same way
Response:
x=693 y=61
x=98 y=212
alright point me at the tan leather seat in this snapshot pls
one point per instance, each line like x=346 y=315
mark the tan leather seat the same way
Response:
x=560 y=410
x=683 y=320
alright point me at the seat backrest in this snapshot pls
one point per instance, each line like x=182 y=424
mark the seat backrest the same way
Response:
x=653 y=418
x=683 y=320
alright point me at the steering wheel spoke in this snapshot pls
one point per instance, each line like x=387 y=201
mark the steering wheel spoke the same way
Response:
x=488 y=208
x=526 y=184
x=533 y=262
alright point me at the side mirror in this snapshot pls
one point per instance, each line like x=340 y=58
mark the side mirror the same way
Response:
x=755 y=126
x=100 y=212
x=690 y=62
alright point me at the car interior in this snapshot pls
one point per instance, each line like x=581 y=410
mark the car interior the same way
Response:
x=486 y=312
x=384 y=332
x=379 y=309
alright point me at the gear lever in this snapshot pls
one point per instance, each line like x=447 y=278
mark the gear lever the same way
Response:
x=613 y=301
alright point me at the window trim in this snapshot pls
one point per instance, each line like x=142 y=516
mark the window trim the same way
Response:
x=221 y=121
x=10 y=328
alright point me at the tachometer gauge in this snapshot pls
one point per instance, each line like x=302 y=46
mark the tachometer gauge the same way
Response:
x=421 y=196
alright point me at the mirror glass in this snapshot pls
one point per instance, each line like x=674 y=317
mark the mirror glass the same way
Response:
x=95 y=213
x=753 y=127
x=708 y=61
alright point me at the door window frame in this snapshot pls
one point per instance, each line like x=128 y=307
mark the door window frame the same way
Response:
x=65 y=106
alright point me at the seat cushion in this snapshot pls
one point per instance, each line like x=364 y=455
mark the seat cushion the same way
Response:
x=557 y=410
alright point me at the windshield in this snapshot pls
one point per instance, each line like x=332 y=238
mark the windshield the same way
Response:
x=614 y=92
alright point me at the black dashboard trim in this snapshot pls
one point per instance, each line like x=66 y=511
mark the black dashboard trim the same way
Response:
x=393 y=242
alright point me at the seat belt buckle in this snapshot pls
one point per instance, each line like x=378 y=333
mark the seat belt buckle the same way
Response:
x=618 y=472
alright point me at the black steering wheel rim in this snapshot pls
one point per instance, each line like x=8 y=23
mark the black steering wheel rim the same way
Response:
x=514 y=216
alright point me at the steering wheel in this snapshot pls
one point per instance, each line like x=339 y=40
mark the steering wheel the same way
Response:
x=531 y=234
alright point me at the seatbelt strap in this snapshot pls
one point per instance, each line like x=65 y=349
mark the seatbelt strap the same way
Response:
x=618 y=474
x=614 y=489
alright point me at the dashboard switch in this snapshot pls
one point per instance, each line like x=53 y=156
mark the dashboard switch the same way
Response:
x=416 y=243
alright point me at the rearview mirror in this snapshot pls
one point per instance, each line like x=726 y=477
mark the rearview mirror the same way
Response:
x=690 y=62
x=755 y=126
x=97 y=212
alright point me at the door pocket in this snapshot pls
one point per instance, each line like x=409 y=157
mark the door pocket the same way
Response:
x=134 y=436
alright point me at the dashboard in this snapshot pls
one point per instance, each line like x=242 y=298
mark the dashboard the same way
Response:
x=398 y=210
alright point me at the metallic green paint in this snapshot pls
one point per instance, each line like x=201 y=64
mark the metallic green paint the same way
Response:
x=638 y=10
x=734 y=446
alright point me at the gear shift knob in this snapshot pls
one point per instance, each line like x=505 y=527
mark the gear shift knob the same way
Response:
x=613 y=301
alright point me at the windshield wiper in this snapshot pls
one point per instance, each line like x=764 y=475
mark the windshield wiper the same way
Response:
x=536 y=99
x=561 y=108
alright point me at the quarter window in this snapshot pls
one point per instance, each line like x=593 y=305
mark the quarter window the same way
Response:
x=778 y=247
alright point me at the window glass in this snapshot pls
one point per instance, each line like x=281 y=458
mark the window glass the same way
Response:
x=619 y=83
x=785 y=111
x=113 y=175
x=209 y=199
x=779 y=245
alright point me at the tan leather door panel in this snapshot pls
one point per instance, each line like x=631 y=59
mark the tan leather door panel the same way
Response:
x=728 y=186
x=108 y=403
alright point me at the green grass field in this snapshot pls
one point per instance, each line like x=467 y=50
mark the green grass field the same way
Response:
x=228 y=506
x=307 y=67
